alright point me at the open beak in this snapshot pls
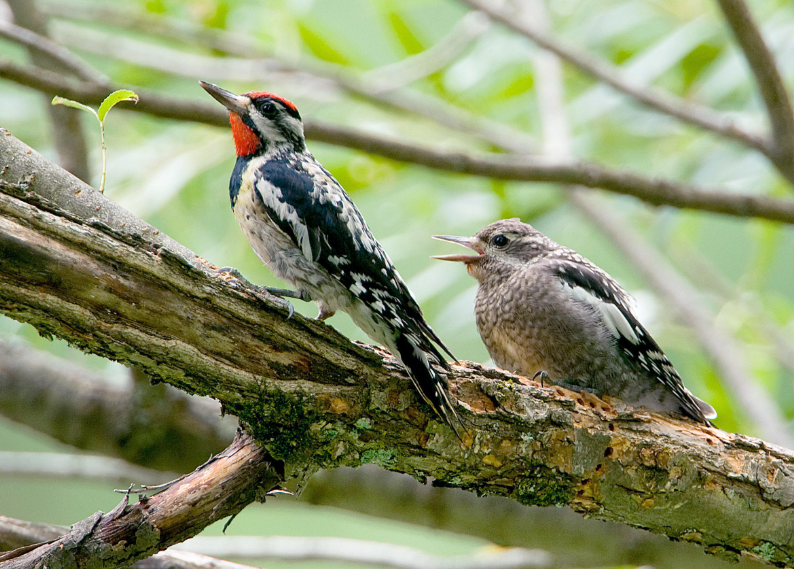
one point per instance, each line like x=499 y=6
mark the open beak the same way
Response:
x=466 y=242
x=235 y=103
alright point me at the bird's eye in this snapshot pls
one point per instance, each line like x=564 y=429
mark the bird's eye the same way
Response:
x=266 y=107
x=499 y=240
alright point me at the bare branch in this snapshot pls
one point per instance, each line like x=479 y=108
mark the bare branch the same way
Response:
x=74 y=264
x=221 y=487
x=687 y=111
x=655 y=192
x=15 y=534
x=294 y=549
x=68 y=61
x=19 y=533
x=770 y=83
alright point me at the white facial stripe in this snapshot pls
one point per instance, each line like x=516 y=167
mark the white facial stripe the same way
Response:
x=266 y=127
x=293 y=125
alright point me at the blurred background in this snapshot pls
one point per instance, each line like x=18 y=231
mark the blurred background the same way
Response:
x=717 y=292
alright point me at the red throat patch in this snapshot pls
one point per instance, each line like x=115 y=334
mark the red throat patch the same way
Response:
x=246 y=142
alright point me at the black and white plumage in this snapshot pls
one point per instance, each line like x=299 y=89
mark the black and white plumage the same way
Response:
x=542 y=307
x=302 y=224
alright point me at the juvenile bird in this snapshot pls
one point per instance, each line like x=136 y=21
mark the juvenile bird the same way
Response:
x=543 y=309
x=305 y=228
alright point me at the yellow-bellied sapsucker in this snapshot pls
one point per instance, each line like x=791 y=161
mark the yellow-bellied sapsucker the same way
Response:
x=543 y=309
x=302 y=224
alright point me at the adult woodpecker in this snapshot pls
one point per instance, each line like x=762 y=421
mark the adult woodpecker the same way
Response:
x=302 y=224
x=543 y=309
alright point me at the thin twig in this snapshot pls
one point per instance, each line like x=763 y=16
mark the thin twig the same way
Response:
x=655 y=192
x=433 y=59
x=41 y=44
x=770 y=83
x=264 y=64
x=689 y=112
x=720 y=347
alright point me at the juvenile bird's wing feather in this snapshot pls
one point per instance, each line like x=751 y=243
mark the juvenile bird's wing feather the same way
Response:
x=588 y=284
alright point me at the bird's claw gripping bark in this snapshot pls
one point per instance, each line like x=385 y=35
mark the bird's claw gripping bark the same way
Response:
x=543 y=377
x=281 y=293
x=237 y=280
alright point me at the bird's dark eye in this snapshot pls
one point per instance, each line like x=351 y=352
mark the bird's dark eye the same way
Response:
x=266 y=107
x=499 y=240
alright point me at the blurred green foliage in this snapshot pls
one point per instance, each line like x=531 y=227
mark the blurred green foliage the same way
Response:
x=176 y=175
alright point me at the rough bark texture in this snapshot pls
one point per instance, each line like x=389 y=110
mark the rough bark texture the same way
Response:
x=219 y=488
x=75 y=265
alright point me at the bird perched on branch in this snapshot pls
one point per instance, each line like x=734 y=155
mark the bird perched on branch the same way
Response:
x=304 y=227
x=543 y=309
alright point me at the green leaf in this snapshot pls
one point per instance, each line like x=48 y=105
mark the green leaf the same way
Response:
x=408 y=40
x=114 y=98
x=74 y=104
x=320 y=47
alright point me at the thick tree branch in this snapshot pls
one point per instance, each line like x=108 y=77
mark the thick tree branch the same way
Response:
x=221 y=487
x=75 y=265
x=770 y=83
x=654 y=192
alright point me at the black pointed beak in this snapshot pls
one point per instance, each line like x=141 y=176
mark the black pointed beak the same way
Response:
x=466 y=242
x=235 y=103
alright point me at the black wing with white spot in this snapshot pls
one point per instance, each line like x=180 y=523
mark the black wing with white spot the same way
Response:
x=588 y=284
x=330 y=230
x=316 y=213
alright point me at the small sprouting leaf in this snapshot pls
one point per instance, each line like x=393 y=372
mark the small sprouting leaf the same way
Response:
x=114 y=98
x=74 y=104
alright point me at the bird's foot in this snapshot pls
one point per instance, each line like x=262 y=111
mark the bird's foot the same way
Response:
x=281 y=293
x=237 y=280
x=543 y=377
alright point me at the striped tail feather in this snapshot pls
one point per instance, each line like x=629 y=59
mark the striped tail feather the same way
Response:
x=431 y=385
